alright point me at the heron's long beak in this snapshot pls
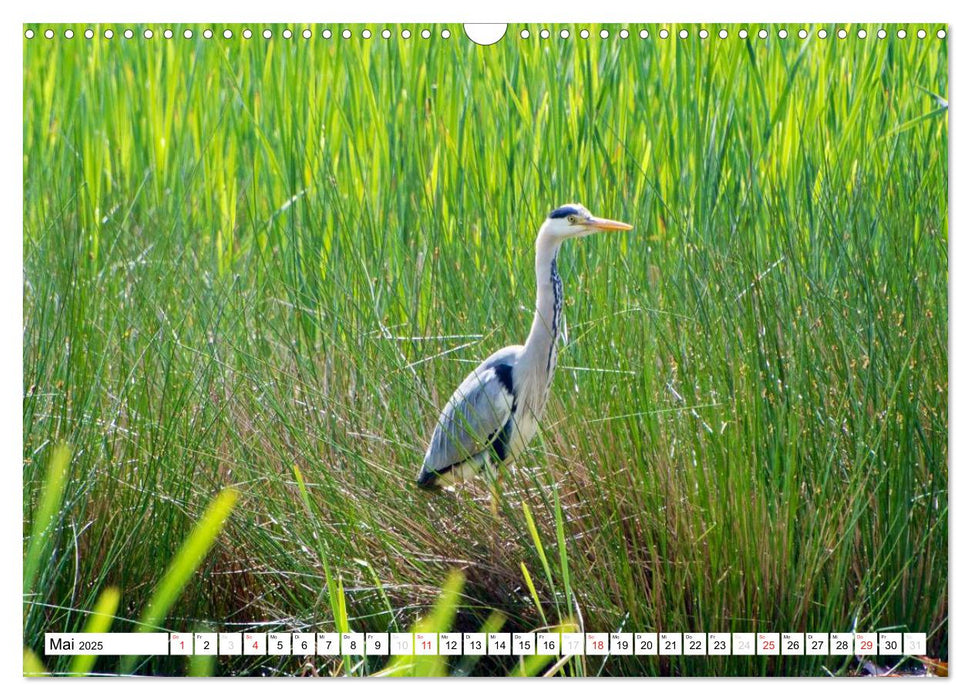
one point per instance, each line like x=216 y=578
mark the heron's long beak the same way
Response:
x=608 y=224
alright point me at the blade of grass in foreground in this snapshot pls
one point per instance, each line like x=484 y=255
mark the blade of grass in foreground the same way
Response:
x=51 y=497
x=187 y=560
x=440 y=618
x=100 y=621
x=540 y=551
x=185 y=563
x=33 y=666
x=561 y=545
x=532 y=592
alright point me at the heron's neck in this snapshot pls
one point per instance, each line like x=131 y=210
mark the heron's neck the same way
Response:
x=540 y=349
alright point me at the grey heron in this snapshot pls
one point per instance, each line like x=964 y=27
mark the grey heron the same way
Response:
x=496 y=410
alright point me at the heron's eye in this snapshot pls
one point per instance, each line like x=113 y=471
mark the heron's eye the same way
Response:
x=572 y=218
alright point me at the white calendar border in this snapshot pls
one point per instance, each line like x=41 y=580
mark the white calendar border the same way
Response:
x=11 y=413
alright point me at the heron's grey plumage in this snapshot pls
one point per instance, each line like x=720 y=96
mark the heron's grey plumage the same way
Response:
x=496 y=410
x=474 y=418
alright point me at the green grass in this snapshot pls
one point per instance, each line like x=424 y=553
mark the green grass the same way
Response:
x=265 y=265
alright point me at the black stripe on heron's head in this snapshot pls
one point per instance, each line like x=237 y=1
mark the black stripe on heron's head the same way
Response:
x=563 y=212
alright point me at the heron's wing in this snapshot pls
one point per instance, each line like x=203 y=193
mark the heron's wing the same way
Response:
x=475 y=415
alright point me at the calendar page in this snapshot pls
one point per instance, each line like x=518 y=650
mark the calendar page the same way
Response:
x=528 y=349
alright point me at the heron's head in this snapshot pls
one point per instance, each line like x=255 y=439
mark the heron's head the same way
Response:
x=576 y=221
